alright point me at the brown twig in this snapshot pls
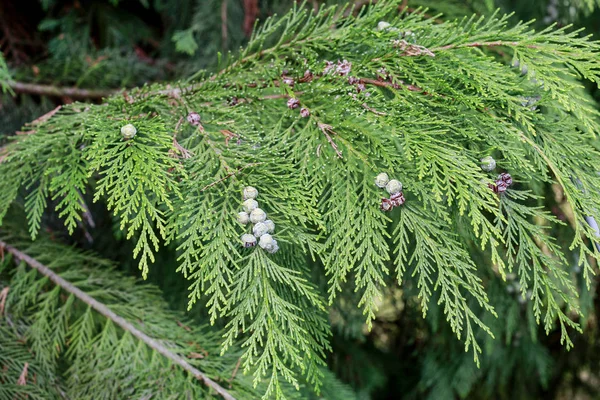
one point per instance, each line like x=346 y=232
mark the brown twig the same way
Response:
x=22 y=381
x=374 y=111
x=235 y=370
x=57 y=91
x=228 y=135
x=3 y=296
x=326 y=129
x=388 y=84
x=123 y=323
x=45 y=117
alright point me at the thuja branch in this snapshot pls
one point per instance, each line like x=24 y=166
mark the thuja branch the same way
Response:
x=123 y=323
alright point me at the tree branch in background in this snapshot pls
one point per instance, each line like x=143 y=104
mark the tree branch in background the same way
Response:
x=224 y=25
x=123 y=323
x=49 y=90
x=250 y=15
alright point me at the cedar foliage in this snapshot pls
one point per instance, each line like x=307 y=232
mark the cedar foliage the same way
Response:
x=437 y=97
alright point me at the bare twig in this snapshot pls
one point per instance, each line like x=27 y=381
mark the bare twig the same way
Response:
x=22 y=381
x=228 y=136
x=235 y=370
x=87 y=215
x=45 y=117
x=3 y=296
x=411 y=50
x=374 y=111
x=388 y=84
x=49 y=90
x=123 y=323
x=326 y=129
x=185 y=153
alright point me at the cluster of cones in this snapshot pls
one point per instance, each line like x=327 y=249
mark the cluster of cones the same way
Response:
x=394 y=188
x=502 y=183
x=395 y=200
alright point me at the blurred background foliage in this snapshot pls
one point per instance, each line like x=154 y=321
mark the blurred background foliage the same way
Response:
x=111 y=44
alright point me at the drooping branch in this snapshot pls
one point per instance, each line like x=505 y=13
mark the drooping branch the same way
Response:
x=123 y=323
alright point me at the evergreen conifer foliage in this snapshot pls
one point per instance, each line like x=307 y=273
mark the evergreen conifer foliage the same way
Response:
x=5 y=76
x=309 y=113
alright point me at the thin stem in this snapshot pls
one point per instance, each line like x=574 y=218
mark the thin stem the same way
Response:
x=229 y=175
x=123 y=323
x=326 y=129
x=482 y=44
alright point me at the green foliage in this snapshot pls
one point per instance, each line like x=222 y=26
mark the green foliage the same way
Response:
x=111 y=61
x=5 y=76
x=142 y=168
x=437 y=97
x=184 y=42
x=103 y=360
x=440 y=262
x=71 y=349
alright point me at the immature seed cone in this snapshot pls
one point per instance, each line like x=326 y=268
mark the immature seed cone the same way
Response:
x=382 y=25
x=248 y=240
x=394 y=186
x=386 y=204
x=268 y=243
x=243 y=217
x=506 y=178
x=397 y=199
x=260 y=229
x=128 y=131
x=257 y=215
x=499 y=187
x=250 y=205
x=343 y=67
x=250 y=193
x=274 y=248
x=381 y=180
x=194 y=118
x=488 y=163
x=270 y=225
